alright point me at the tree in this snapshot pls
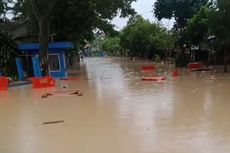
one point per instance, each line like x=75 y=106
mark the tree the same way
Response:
x=71 y=19
x=197 y=28
x=112 y=46
x=43 y=12
x=180 y=10
x=7 y=54
x=2 y=7
x=143 y=38
x=219 y=24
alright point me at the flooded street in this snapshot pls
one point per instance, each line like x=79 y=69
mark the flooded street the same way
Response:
x=120 y=113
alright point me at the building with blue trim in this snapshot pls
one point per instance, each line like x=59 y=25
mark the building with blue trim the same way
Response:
x=56 y=57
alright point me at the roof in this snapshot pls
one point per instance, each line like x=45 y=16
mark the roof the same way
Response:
x=54 y=45
x=12 y=25
x=17 y=29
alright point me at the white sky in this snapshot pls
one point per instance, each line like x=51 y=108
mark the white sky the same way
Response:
x=144 y=8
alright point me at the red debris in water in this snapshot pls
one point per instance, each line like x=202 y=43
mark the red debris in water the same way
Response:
x=154 y=79
x=4 y=82
x=149 y=68
x=43 y=82
x=192 y=66
x=175 y=73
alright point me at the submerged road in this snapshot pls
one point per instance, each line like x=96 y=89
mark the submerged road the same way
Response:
x=119 y=113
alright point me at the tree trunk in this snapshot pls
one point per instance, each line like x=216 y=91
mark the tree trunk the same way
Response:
x=44 y=42
x=226 y=55
x=226 y=64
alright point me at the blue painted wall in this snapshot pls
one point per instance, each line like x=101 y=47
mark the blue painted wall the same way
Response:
x=54 y=48
x=20 y=68
x=63 y=69
x=36 y=66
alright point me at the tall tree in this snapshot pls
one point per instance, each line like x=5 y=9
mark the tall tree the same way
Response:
x=7 y=54
x=43 y=11
x=180 y=10
x=143 y=38
x=71 y=19
x=219 y=24
x=1 y=7
x=112 y=46
x=197 y=28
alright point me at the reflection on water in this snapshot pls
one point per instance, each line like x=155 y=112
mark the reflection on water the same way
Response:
x=121 y=113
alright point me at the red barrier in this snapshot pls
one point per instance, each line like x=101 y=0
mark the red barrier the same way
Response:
x=4 y=83
x=175 y=73
x=149 y=68
x=43 y=82
x=153 y=78
x=193 y=66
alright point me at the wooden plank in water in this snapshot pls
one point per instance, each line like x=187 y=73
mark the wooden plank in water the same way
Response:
x=53 y=122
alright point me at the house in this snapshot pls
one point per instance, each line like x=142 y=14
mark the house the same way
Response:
x=56 y=57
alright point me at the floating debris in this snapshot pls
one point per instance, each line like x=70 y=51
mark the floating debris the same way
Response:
x=62 y=93
x=54 y=122
x=46 y=95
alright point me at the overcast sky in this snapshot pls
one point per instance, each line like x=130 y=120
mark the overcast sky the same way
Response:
x=144 y=8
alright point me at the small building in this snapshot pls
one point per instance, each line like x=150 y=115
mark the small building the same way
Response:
x=56 y=57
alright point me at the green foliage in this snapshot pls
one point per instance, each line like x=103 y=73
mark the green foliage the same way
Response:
x=71 y=20
x=157 y=58
x=219 y=19
x=108 y=9
x=22 y=9
x=7 y=54
x=2 y=7
x=181 y=10
x=112 y=46
x=143 y=38
x=97 y=43
x=197 y=28
x=75 y=19
x=219 y=24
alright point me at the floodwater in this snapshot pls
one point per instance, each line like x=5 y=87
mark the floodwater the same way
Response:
x=119 y=113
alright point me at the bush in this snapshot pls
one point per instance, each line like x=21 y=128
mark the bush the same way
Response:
x=7 y=55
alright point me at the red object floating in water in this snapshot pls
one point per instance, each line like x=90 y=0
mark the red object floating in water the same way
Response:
x=149 y=68
x=175 y=73
x=153 y=78
x=43 y=82
x=4 y=81
x=193 y=66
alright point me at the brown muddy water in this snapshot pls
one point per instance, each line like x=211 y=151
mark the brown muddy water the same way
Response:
x=119 y=113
